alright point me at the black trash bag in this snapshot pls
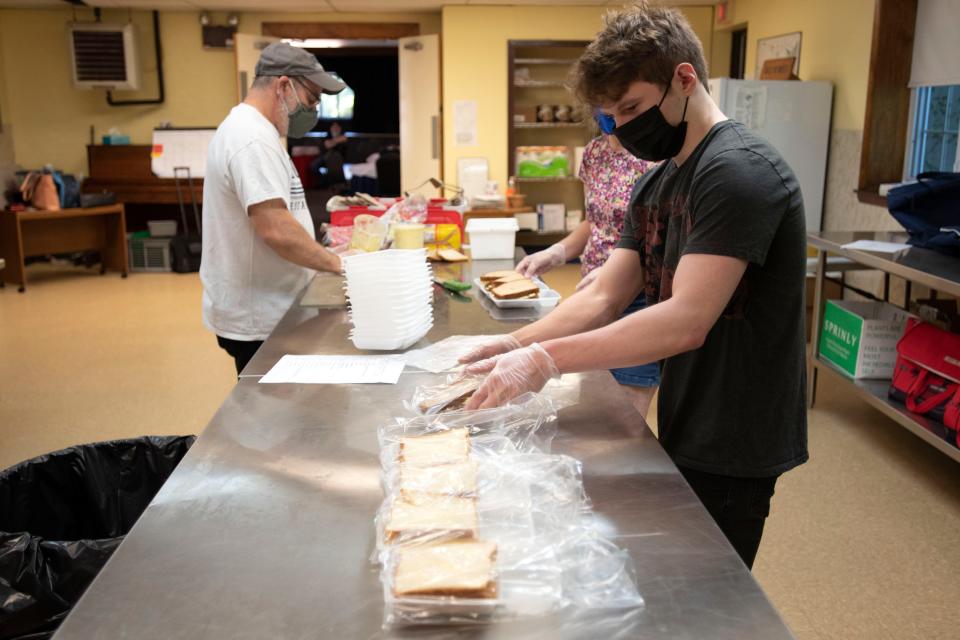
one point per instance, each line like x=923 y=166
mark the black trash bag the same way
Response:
x=61 y=517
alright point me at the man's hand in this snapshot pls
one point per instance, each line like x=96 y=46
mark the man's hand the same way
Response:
x=494 y=347
x=542 y=261
x=510 y=375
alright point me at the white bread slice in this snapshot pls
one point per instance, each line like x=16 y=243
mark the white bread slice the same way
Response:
x=524 y=288
x=444 y=517
x=443 y=447
x=451 y=255
x=462 y=569
x=425 y=483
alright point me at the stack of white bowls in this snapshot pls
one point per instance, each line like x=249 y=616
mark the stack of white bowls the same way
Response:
x=391 y=298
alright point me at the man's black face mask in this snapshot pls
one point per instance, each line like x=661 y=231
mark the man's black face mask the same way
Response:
x=650 y=137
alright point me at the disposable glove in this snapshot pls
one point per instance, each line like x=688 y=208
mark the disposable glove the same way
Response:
x=510 y=375
x=493 y=347
x=542 y=261
x=588 y=279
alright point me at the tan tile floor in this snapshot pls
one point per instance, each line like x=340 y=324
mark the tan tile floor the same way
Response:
x=863 y=541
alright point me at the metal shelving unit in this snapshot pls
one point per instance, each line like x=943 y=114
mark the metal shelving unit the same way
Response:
x=560 y=61
x=938 y=272
x=538 y=83
x=546 y=63
x=549 y=179
x=548 y=125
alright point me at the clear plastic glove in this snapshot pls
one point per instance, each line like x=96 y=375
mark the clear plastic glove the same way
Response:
x=588 y=279
x=542 y=261
x=494 y=347
x=510 y=375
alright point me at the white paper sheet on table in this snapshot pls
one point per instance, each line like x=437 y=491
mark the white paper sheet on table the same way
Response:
x=877 y=247
x=335 y=370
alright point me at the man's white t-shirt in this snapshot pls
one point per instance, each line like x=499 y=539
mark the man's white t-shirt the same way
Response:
x=247 y=287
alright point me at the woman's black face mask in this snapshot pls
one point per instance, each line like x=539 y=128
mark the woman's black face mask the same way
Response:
x=650 y=137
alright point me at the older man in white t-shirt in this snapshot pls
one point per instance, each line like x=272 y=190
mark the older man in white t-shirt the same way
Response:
x=259 y=244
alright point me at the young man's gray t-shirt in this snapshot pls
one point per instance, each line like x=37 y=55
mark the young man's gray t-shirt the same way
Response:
x=736 y=405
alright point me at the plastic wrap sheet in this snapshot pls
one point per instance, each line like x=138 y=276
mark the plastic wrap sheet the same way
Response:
x=527 y=424
x=447 y=396
x=481 y=523
x=444 y=355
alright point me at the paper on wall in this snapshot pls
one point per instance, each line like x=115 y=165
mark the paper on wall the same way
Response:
x=751 y=107
x=465 y=123
x=335 y=370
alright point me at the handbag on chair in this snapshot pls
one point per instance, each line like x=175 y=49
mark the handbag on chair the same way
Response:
x=40 y=191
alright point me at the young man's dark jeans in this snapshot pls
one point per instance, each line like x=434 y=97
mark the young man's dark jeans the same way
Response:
x=738 y=505
x=241 y=350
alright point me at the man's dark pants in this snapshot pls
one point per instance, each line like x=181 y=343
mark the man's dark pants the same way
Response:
x=240 y=350
x=738 y=505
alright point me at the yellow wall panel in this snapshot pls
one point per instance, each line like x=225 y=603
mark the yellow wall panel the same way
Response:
x=835 y=45
x=475 y=66
x=52 y=119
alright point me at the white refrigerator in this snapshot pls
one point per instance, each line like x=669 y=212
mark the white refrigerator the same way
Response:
x=794 y=117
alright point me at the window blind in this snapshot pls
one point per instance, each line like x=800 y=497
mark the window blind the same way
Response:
x=936 y=44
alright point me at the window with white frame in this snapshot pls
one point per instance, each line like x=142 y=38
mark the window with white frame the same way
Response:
x=934 y=141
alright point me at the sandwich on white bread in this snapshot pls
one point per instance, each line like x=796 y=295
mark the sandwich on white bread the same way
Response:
x=442 y=447
x=459 y=569
x=418 y=484
x=442 y=518
x=449 y=396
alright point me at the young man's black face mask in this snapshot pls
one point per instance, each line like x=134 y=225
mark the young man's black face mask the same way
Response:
x=650 y=137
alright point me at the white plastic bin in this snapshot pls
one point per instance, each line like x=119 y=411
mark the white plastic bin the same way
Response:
x=492 y=238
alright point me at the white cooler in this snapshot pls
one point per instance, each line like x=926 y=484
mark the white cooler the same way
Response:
x=492 y=238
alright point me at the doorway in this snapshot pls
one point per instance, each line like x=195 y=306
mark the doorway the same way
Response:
x=738 y=53
x=366 y=133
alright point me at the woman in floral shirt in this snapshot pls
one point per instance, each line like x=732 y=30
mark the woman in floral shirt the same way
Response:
x=609 y=173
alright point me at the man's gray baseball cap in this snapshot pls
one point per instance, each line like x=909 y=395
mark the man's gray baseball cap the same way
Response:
x=282 y=59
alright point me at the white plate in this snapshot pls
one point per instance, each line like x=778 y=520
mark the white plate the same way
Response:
x=548 y=297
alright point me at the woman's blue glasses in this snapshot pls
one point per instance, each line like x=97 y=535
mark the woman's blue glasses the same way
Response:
x=606 y=122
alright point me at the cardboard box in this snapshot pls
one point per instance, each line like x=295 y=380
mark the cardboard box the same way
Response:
x=527 y=221
x=860 y=338
x=552 y=216
x=524 y=113
x=574 y=218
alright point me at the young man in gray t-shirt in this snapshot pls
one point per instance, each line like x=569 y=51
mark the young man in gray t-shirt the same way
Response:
x=715 y=239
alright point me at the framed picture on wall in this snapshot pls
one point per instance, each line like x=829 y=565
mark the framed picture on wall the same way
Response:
x=776 y=47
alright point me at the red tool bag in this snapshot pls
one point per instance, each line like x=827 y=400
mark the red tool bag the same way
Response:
x=926 y=376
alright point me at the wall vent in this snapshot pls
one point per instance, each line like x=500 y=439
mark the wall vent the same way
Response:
x=104 y=56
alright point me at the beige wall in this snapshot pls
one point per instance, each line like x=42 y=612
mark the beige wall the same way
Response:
x=6 y=135
x=53 y=119
x=835 y=47
x=475 y=65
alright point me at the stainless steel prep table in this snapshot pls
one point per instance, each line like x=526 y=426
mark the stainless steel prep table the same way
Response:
x=265 y=530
